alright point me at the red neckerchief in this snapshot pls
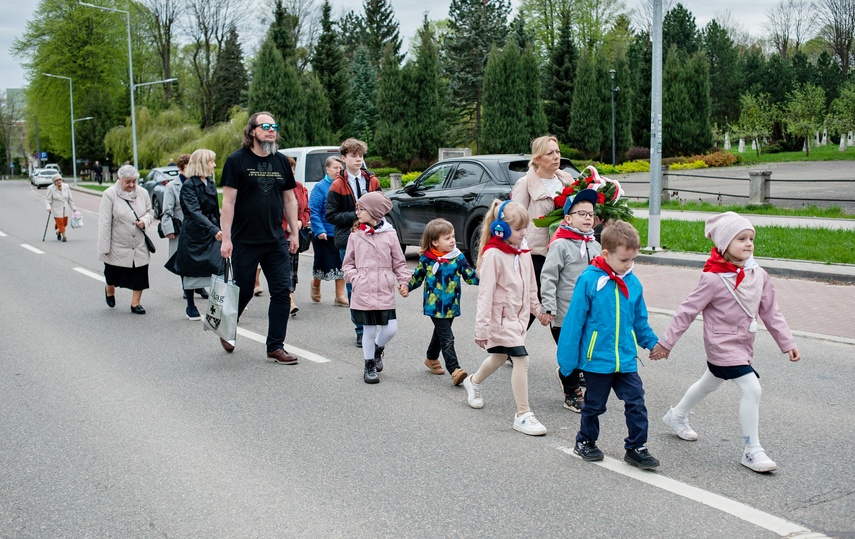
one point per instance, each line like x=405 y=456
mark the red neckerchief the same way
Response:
x=601 y=263
x=563 y=233
x=718 y=264
x=365 y=228
x=437 y=256
x=500 y=244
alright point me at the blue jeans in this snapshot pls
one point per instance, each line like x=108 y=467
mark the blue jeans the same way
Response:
x=627 y=387
x=356 y=326
x=275 y=262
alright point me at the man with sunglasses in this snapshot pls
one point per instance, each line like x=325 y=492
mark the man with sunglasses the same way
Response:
x=257 y=190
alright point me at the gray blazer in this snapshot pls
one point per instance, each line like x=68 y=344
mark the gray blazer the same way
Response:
x=171 y=206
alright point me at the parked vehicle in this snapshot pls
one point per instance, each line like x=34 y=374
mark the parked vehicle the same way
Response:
x=458 y=189
x=43 y=177
x=155 y=183
x=310 y=163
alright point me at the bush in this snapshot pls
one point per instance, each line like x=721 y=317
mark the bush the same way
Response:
x=689 y=166
x=775 y=147
x=384 y=171
x=374 y=162
x=638 y=152
x=671 y=161
x=639 y=165
x=570 y=153
x=409 y=176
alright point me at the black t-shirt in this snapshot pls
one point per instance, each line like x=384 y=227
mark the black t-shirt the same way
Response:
x=260 y=182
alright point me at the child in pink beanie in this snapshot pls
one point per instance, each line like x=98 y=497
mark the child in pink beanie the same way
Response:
x=732 y=293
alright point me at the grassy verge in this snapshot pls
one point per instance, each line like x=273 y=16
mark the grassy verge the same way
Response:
x=102 y=187
x=823 y=153
x=815 y=245
x=831 y=212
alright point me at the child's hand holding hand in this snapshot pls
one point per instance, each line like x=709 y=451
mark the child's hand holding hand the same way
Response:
x=545 y=318
x=659 y=352
x=794 y=354
x=403 y=290
x=482 y=343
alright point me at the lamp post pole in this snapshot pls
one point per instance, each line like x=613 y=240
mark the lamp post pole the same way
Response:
x=612 y=73
x=71 y=102
x=130 y=74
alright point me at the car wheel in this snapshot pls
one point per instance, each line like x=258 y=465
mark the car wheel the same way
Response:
x=474 y=246
x=155 y=208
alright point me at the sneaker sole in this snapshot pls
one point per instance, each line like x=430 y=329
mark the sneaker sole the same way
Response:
x=639 y=465
x=572 y=409
x=759 y=469
x=520 y=429
x=194 y=318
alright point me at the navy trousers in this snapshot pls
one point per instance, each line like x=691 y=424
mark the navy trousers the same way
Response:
x=628 y=388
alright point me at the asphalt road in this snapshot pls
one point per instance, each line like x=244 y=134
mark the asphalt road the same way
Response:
x=118 y=425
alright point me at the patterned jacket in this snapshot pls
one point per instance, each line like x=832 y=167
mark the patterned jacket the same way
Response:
x=442 y=289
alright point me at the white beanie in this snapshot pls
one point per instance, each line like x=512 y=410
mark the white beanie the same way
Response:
x=722 y=228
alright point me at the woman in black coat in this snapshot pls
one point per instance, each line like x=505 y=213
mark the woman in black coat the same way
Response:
x=198 y=255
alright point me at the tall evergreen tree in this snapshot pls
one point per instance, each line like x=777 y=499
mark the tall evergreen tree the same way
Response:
x=328 y=64
x=474 y=27
x=432 y=101
x=382 y=29
x=586 y=111
x=562 y=74
x=679 y=28
x=505 y=119
x=392 y=136
x=698 y=84
x=522 y=34
x=685 y=88
x=639 y=56
x=318 y=117
x=276 y=88
x=361 y=104
x=352 y=34
x=624 y=101
x=229 y=78
x=723 y=60
x=283 y=31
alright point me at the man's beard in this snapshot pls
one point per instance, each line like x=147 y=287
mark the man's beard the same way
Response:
x=268 y=146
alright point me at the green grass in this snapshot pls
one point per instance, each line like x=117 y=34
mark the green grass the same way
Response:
x=102 y=187
x=811 y=244
x=823 y=153
x=831 y=212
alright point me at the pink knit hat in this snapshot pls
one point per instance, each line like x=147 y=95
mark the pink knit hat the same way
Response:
x=376 y=204
x=722 y=228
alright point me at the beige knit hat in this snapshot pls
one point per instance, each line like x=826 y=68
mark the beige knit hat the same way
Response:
x=722 y=228
x=376 y=204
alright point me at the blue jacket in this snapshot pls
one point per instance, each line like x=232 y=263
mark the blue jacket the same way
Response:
x=442 y=290
x=603 y=328
x=318 y=208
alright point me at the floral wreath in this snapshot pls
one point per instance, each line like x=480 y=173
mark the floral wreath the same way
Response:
x=611 y=203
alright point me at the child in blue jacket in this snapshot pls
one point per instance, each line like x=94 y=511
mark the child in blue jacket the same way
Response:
x=440 y=267
x=605 y=324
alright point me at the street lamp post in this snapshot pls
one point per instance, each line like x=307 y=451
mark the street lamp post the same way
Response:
x=130 y=73
x=71 y=102
x=612 y=73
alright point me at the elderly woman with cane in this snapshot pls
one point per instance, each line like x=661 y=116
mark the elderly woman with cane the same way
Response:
x=123 y=218
x=58 y=202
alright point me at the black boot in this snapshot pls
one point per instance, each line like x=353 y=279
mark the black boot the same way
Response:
x=378 y=358
x=370 y=375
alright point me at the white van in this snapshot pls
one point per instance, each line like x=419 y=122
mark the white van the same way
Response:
x=310 y=163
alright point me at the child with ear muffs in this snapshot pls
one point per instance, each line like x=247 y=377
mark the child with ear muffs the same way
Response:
x=507 y=296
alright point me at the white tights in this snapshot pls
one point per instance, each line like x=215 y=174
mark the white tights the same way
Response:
x=373 y=337
x=749 y=405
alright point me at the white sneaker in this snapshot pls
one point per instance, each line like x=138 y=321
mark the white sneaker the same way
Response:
x=473 y=393
x=680 y=424
x=758 y=461
x=528 y=424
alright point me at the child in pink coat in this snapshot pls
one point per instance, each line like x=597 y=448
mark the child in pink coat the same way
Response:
x=507 y=296
x=372 y=263
x=732 y=293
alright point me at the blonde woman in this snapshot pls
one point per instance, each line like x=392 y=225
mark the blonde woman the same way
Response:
x=58 y=202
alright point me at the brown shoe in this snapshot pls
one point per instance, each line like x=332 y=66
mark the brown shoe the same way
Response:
x=227 y=346
x=434 y=366
x=341 y=301
x=458 y=376
x=282 y=357
x=316 y=293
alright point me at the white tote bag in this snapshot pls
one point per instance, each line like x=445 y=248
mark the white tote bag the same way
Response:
x=221 y=314
x=76 y=220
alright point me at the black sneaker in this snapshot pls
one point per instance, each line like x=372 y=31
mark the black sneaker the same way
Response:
x=582 y=380
x=370 y=374
x=574 y=402
x=359 y=340
x=378 y=358
x=640 y=458
x=588 y=451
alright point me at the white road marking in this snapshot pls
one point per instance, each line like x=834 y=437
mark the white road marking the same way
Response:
x=2 y=234
x=305 y=354
x=31 y=248
x=86 y=272
x=774 y=524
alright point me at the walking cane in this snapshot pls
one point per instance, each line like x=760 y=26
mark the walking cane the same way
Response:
x=46 y=224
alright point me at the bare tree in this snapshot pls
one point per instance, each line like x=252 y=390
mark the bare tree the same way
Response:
x=838 y=20
x=307 y=30
x=735 y=29
x=12 y=128
x=642 y=14
x=161 y=25
x=208 y=27
x=790 y=24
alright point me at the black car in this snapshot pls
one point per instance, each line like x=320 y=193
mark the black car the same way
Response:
x=459 y=190
x=155 y=183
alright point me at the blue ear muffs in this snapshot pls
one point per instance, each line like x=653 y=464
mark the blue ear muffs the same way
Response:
x=499 y=227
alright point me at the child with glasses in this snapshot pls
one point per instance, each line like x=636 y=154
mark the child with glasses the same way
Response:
x=570 y=251
x=732 y=293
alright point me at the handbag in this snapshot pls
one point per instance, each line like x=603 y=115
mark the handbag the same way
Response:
x=221 y=314
x=306 y=236
x=176 y=226
x=76 y=220
x=148 y=242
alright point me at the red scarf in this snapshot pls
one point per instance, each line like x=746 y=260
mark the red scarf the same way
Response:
x=718 y=264
x=601 y=263
x=500 y=244
x=566 y=234
x=437 y=256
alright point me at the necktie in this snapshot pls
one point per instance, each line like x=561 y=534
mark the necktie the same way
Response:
x=358 y=189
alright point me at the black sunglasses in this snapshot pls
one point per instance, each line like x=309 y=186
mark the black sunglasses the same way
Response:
x=267 y=127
